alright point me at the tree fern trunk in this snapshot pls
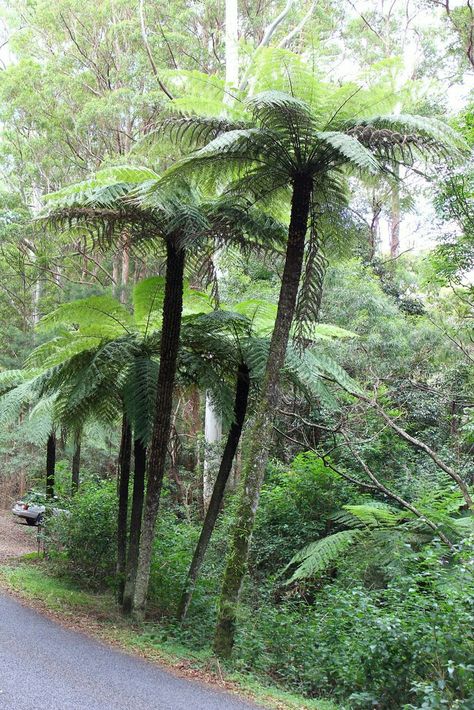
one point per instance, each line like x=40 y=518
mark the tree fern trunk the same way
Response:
x=135 y=523
x=262 y=429
x=124 y=479
x=50 y=464
x=233 y=438
x=172 y=309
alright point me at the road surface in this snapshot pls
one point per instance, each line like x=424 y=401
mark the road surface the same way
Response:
x=44 y=666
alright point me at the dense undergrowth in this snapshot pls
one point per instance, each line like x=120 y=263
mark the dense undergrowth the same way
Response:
x=389 y=624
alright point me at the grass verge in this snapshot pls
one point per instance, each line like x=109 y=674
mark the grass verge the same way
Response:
x=31 y=581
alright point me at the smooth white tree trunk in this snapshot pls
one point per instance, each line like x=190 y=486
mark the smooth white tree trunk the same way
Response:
x=212 y=435
x=231 y=44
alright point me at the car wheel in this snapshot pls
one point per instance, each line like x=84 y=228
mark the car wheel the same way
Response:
x=39 y=519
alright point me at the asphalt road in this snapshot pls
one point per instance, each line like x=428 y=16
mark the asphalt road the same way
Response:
x=44 y=666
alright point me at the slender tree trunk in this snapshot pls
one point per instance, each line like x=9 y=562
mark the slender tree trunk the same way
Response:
x=76 y=464
x=125 y=270
x=115 y=274
x=212 y=436
x=172 y=309
x=262 y=429
x=180 y=496
x=124 y=479
x=233 y=438
x=50 y=464
x=135 y=523
x=374 y=234
x=231 y=44
x=395 y=217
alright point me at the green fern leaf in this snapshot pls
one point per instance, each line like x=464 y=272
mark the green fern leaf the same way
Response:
x=320 y=555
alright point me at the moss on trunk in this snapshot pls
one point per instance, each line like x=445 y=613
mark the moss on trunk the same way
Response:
x=233 y=438
x=262 y=430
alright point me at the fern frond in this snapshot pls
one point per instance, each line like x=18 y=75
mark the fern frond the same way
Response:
x=320 y=555
x=193 y=130
x=311 y=287
x=118 y=181
x=327 y=331
x=260 y=313
x=374 y=515
x=13 y=401
x=139 y=393
x=351 y=151
x=103 y=313
x=12 y=378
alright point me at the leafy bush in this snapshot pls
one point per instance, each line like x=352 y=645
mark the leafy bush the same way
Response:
x=172 y=551
x=296 y=507
x=86 y=534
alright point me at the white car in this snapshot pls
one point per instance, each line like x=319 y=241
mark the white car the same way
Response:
x=31 y=512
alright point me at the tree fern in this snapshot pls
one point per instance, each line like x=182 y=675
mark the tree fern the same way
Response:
x=374 y=515
x=379 y=530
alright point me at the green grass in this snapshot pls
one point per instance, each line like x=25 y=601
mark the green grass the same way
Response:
x=32 y=580
x=57 y=594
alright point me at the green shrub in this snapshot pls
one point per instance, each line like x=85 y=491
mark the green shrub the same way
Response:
x=86 y=535
x=370 y=648
x=296 y=508
x=172 y=551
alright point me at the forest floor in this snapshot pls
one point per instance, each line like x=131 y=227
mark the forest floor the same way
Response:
x=16 y=537
x=30 y=579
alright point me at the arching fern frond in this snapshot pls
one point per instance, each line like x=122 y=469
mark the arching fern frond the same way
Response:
x=374 y=515
x=351 y=150
x=319 y=556
x=103 y=313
